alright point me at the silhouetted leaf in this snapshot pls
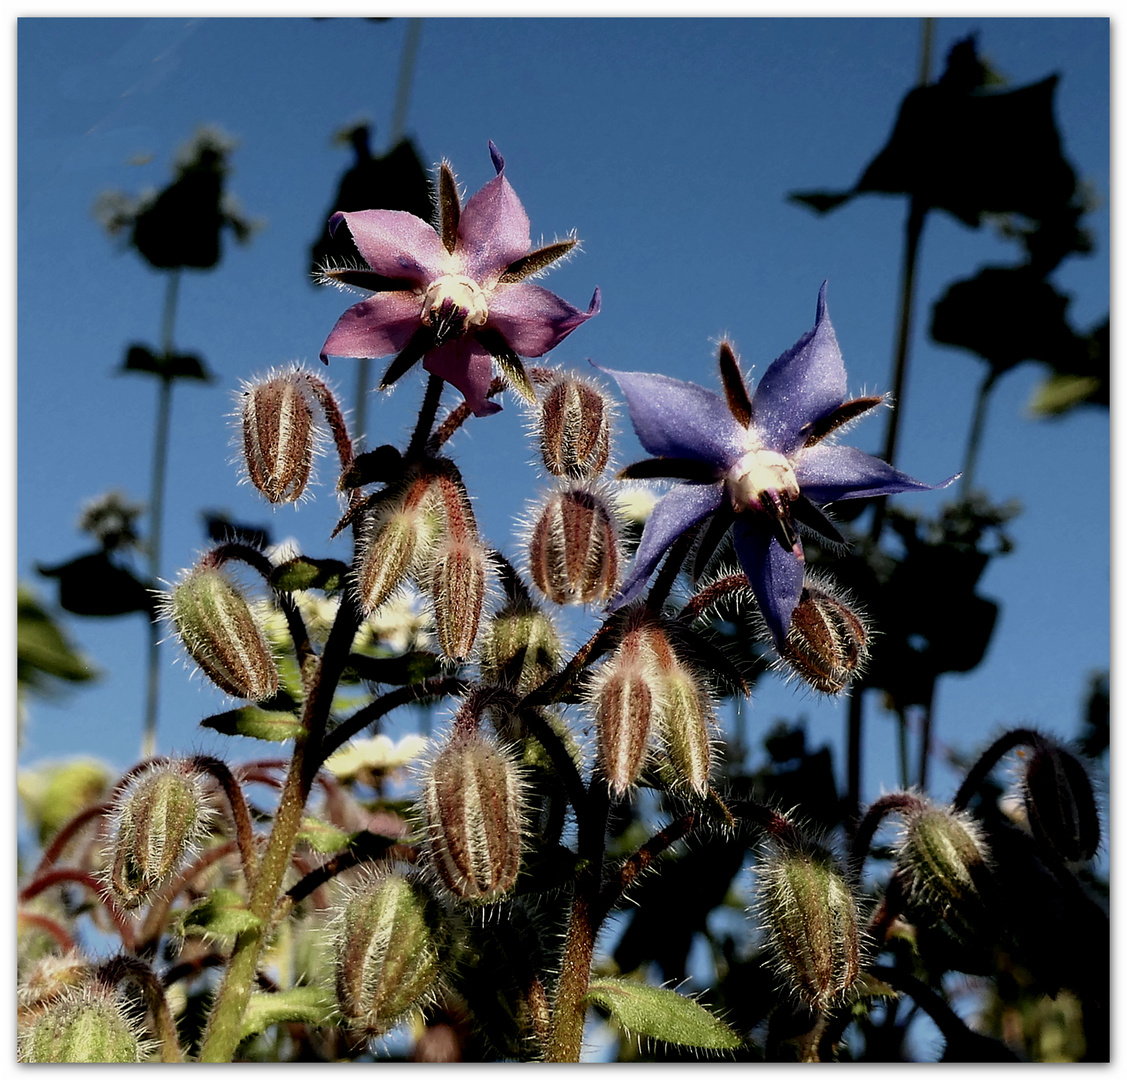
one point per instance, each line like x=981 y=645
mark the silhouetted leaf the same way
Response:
x=93 y=585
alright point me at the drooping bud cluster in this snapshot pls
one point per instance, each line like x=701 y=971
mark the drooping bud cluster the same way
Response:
x=1060 y=804
x=573 y=546
x=387 y=951
x=810 y=913
x=827 y=644
x=279 y=434
x=92 y=1024
x=158 y=818
x=574 y=428
x=221 y=634
x=944 y=860
x=644 y=690
x=473 y=807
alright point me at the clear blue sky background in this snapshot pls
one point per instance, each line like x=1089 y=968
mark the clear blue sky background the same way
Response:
x=670 y=146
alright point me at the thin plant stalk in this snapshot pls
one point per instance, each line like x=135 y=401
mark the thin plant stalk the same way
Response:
x=974 y=439
x=156 y=509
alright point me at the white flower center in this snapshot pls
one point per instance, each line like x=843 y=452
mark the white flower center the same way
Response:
x=454 y=304
x=759 y=474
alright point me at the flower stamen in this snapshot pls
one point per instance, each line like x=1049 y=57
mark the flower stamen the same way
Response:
x=452 y=305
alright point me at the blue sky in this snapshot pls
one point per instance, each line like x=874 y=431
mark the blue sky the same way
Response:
x=670 y=147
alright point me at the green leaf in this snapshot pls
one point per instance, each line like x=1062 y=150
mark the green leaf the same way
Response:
x=221 y=916
x=1059 y=393
x=658 y=1013
x=322 y=837
x=300 y=1004
x=255 y=723
x=306 y=573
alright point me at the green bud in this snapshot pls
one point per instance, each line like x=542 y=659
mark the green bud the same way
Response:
x=386 y=951
x=519 y=649
x=573 y=547
x=88 y=1025
x=1060 y=804
x=279 y=434
x=685 y=720
x=811 y=917
x=157 y=821
x=221 y=634
x=51 y=977
x=943 y=858
x=473 y=804
x=574 y=429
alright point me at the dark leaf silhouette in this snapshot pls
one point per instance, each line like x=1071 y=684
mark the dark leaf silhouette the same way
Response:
x=171 y=366
x=93 y=585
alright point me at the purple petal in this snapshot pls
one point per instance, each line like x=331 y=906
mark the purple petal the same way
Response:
x=397 y=244
x=803 y=385
x=828 y=473
x=375 y=327
x=534 y=320
x=493 y=230
x=680 y=419
x=465 y=364
x=680 y=509
x=775 y=574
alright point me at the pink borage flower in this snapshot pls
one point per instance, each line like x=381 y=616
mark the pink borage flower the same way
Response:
x=455 y=297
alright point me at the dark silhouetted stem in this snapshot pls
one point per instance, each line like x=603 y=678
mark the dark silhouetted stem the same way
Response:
x=992 y=755
x=974 y=439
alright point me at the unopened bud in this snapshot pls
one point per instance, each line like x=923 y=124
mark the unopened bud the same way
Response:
x=89 y=1025
x=625 y=696
x=811 y=917
x=473 y=803
x=574 y=429
x=158 y=818
x=386 y=951
x=398 y=543
x=827 y=644
x=279 y=434
x=1060 y=804
x=685 y=721
x=573 y=547
x=519 y=649
x=51 y=977
x=457 y=588
x=943 y=858
x=221 y=634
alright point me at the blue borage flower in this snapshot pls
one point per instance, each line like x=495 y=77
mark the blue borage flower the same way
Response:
x=758 y=465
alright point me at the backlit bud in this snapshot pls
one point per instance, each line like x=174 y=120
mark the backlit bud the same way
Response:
x=943 y=858
x=158 y=818
x=279 y=434
x=685 y=720
x=519 y=648
x=827 y=644
x=221 y=634
x=1060 y=804
x=473 y=803
x=51 y=977
x=398 y=543
x=574 y=429
x=89 y=1025
x=386 y=951
x=573 y=547
x=811 y=916
x=457 y=588
x=625 y=696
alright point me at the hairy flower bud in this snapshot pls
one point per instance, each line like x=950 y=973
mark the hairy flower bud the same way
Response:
x=944 y=860
x=221 y=634
x=574 y=428
x=158 y=818
x=398 y=543
x=51 y=977
x=685 y=720
x=473 y=803
x=811 y=916
x=386 y=951
x=573 y=547
x=1060 y=805
x=624 y=697
x=89 y=1025
x=827 y=644
x=279 y=434
x=457 y=588
x=519 y=648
